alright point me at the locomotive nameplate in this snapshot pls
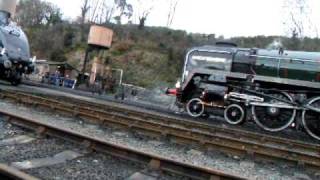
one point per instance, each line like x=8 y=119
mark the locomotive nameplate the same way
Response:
x=209 y=59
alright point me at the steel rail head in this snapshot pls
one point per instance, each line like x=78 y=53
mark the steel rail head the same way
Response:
x=10 y=173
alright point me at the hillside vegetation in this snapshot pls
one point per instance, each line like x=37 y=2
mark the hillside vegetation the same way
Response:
x=149 y=56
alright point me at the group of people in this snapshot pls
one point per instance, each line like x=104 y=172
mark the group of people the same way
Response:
x=58 y=80
x=102 y=85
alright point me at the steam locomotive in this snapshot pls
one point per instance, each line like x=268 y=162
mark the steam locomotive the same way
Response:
x=14 y=47
x=276 y=89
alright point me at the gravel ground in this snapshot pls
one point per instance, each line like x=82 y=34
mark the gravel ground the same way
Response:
x=7 y=131
x=101 y=167
x=245 y=167
x=90 y=166
x=39 y=148
x=148 y=99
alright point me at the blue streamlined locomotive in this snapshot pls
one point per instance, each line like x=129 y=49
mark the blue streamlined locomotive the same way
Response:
x=14 y=47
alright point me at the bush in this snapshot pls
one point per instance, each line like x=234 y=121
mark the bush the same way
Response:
x=58 y=56
x=122 y=47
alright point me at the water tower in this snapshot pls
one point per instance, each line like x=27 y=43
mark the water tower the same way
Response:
x=99 y=40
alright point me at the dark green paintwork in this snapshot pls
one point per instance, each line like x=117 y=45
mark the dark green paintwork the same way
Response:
x=292 y=65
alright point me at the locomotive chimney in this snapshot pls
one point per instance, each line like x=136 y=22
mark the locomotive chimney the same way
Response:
x=8 y=8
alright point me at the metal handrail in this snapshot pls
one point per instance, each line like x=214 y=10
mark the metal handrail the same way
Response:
x=285 y=58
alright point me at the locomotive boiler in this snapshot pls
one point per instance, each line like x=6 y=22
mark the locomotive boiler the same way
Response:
x=14 y=47
x=274 y=88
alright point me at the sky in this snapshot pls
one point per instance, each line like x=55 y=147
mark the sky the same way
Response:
x=221 y=17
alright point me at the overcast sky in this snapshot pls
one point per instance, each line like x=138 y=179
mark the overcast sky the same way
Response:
x=220 y=17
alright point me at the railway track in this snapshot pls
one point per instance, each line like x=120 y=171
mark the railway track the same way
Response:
x=10 y=173
x=152 y=162
x=230 y=141
x=47 y=157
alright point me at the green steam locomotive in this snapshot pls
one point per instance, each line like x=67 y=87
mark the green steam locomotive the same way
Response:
x=276 y=89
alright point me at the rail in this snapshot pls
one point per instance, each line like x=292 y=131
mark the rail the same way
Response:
x=228 y=140
x=154 y=162
x=9 y=173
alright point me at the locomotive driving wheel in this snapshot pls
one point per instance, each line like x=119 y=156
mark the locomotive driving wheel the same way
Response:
x=234 y=114
x=195 y=107
x=15 y=78
x=274 y=118
x=311 y=118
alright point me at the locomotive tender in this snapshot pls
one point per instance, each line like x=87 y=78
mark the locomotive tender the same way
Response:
x=274 y=88
x=14 y=47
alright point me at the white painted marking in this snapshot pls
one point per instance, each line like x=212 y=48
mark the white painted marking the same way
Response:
x=141 y=176
x=24 y=139
x=49 y=161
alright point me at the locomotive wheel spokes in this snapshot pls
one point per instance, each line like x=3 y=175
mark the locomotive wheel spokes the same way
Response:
x=234 y=114
x=274 y=118
x=195 y=107
x=311 y=119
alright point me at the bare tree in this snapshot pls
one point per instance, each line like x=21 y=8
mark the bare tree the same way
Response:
x=297 y=19
x=104 y=11
x=172 y=11
x=124 y=9
x=84 y=13
x=109 y=11
x=84 y=10
x=94 y=10
x=32 y=13
x=142 y=19
x=144 y=8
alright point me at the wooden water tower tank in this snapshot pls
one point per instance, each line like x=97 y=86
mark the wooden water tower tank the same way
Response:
x=100 y=37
